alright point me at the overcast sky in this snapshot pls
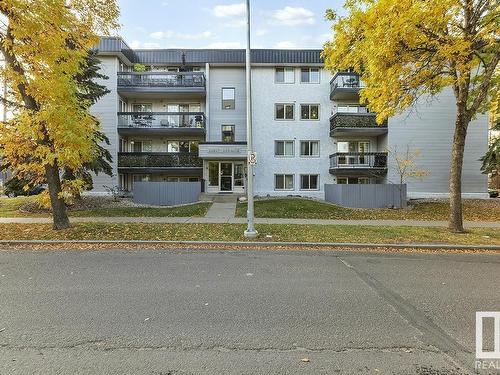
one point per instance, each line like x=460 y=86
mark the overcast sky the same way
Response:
x=221 y=23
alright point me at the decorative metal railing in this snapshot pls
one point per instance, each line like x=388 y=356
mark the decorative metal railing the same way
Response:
x=161 y=79
x=362 y=160
x=159 y=160
x=163 y=120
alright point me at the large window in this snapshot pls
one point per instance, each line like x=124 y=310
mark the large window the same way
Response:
x=173 y=146
x=353 y=152
x=284 y=75
x=309 y=182
x=284 y=148
x=141 y=146
x=309 y=111
x=141 y=177
x=193 y=146
x=309 y=75
x=182 y=146
x=227 y=133
x=228 y=98
x=284 y=111
x=283 y=181
x=146 y=107
x=309 y=148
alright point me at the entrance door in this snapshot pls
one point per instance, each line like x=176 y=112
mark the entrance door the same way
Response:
x=226 y=176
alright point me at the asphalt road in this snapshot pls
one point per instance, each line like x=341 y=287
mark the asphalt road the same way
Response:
x=254 y=312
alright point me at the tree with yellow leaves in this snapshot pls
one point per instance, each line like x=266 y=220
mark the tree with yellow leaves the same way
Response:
x=44 y=44
x=404 y=49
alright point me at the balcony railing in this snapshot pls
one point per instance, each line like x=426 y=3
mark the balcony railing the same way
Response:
x=376 y=161
x=355 y=119
x=159 y=160
x=161 y=80
x=161 y=120
x=345 y=85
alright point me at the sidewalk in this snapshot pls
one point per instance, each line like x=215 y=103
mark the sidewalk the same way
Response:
x=222 y=216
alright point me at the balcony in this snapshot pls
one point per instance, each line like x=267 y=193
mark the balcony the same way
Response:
x=162 y=123
x=358 y=163
x=165 y=162
x=161 y=82
x=345 y=86
x=355 y=120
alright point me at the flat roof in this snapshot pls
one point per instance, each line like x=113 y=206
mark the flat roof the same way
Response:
x=116 y=46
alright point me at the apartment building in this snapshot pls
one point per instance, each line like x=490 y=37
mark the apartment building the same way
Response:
x=184 y=119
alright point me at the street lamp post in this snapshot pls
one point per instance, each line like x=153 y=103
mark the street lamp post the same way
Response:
x=250 y=231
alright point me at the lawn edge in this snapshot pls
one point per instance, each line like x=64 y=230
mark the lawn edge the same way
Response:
x=428 y=246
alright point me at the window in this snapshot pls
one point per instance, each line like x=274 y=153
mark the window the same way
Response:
x=173 y=146
x=142 y=107
x=284 y=75
x=309 y=148
x=309 y=182
x=239 y=175
x=184 y=146
x=228 y=98
x=193 y=146
x=309 y=75
x=353 y=180
x=309 y=111
x=141 y=146
x=352 y=152
x=227 y=133
x=141 y=177
x=181 y=179
x=283 y=181
x=122 y=106
x=351 y=109
x=284 y=148
x=213 y=173
x=284 y=111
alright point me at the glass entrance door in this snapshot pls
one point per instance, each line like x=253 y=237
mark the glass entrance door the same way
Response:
x=226 y=176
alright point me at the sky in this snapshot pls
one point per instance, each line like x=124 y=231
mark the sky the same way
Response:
x=221 y=23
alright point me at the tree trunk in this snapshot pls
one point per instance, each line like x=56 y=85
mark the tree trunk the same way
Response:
x=457 y=158
x=59 y=214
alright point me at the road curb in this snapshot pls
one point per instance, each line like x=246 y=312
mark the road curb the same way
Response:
x=260 y=244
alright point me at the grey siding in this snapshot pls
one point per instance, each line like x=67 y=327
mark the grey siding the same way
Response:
x=220 y=78
x=367 y=196
x=106 y=111
x=429 y=128
x=166 y=193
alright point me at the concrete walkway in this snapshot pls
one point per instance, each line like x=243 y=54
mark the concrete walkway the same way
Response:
x=221 y=210
x=224 y=214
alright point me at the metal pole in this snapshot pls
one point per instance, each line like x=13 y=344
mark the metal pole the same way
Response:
x=250 y=232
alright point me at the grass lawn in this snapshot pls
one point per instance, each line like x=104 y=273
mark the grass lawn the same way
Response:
x=198 y=209
x=234 y=232
x=474 y=210
x=9 y=207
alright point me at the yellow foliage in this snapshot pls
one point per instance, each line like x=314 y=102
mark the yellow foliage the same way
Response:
x=403 y=49
x=47 y=42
